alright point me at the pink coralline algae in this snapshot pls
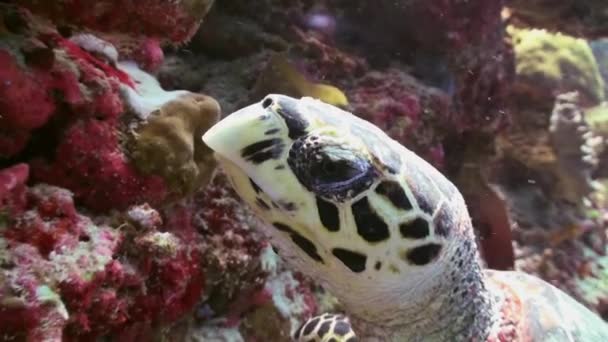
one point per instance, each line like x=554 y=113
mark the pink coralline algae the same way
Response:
x=12 y=189
x=231 y=250
x=173 y=21
x=66 y=277
x=72 y=99
x=407 y=110
x=20 y=113
x=89 y=161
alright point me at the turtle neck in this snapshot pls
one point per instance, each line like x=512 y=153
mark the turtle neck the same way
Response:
x=455 y=306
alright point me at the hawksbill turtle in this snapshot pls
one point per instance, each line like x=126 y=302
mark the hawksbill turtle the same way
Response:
x=382 y=230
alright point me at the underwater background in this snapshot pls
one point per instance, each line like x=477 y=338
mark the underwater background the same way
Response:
x=115 y=224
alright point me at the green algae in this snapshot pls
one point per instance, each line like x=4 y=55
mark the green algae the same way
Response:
x=556 y=63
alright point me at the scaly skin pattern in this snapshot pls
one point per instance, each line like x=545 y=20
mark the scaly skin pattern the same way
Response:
x=382 y=230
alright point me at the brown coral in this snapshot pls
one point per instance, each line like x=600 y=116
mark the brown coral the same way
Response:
x=169 y=142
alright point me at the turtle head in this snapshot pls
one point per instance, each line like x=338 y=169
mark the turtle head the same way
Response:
x=344 y=203
x=290 y=147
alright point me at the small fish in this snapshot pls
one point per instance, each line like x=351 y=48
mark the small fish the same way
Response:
x=281 y=77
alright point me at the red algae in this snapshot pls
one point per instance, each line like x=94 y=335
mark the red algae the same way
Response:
x=106 y=279
x=90 y=162
x=173 y=21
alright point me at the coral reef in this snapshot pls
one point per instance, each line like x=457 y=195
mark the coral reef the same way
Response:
x=249 y=293
x=410 y=112
x=581 y=18
x=66 y=276
x=112 y=224
x=228 y=36
x=562 y=156
x=545 y=162
x=172 y=21
x=87 y=120
x=166 y=141
x=548 y=64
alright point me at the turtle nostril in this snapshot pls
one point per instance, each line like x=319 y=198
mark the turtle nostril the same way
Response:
x=267 y=102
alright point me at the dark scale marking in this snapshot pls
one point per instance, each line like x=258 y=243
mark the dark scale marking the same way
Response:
x=324 y=329
x=424 y=204
x=267 y=102
x=255 y=187
x=282 y=227
x=306 y=245
x=329 y=214
x=332 y=340
x=264 y=150
x=443 y=220
x=298 y=332
x=370 y=226
x=272 y=131
x=279 y=167
x=275 y=249
x=353 y=260
x=378 y=265
x=424 y=190
x=289 y=206
x=296 y=124
x=424 y=254
x=417 y=229
x=260 y=202
x=310 y=326
x=351 y=339
x=341 y=328
x=395 y=193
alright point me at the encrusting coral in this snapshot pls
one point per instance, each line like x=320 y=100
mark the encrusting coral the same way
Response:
x=166 y=140
x=168 y=145
x=548 y=64
x=577 y=149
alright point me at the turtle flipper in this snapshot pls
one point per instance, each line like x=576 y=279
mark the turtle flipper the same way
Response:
x=326 y=328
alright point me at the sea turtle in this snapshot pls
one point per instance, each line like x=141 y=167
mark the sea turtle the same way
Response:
x=382 y=230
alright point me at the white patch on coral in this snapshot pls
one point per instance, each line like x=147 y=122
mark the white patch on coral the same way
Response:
x=146 y=216
x=269 y=260
x=210 y=333
x=88 y=257
x=96 y=45
x=148 y=95
x=286 y=298
x=44 y=294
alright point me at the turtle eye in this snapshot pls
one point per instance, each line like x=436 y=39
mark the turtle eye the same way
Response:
x=329 y=169
x=341 y=170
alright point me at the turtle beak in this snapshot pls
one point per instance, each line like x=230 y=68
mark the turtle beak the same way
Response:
x=232 y=136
